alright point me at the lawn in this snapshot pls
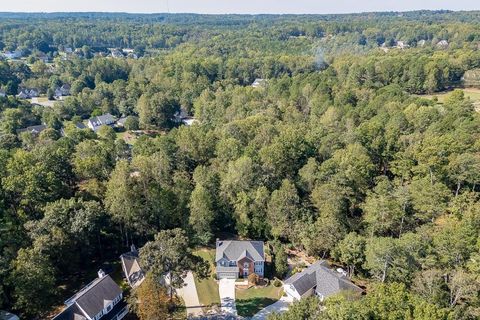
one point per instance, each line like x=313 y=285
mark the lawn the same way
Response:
x=472 y=93
x=207 y=288
x=250 y=301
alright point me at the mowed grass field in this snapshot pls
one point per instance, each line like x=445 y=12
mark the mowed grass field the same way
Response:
x=252 y=300
x=472 y=93
x=207 y=289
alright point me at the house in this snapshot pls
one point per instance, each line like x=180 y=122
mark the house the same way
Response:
x=318 y=280
x=3 y=93
x=259 y=83
x=104 y=120
x=13 y=55
x=28 y=93
x=236 y=259
x=442 y=44
x=77 y=125
x=421 y=43
x=35 y=130
x=5 y=315
x=402 y=45
x=62 y=91
x=100 y=299
x=117 y=53
x=121 y=122
x=131 y=267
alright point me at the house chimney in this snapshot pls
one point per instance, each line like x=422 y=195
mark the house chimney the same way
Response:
x=101 y=273
x=133 y=249
x=218 y=242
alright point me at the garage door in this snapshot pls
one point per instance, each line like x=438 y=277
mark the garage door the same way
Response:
x=227 y=275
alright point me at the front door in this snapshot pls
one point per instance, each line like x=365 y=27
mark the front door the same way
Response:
x=245 y=269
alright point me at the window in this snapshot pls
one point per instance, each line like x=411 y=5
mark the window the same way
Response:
x=109 y=307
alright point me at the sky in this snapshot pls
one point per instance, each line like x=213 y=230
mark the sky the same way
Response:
x=234 y=6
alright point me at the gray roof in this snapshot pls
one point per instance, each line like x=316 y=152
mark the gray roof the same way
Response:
x=92 y=299
x=235 y=250
x=104 y=119
x=33 y=129
x=103 y=292
x=326 y=281
x=5 y=315
x=131 y=268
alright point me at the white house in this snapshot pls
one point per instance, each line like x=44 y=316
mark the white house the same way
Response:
x=100 y=299
x=104 y=120
x=318 y=280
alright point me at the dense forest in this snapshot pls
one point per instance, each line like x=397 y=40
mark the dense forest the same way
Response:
x=338 y=154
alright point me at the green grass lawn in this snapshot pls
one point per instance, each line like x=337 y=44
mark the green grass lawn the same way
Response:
x=472 y=93
x=207 y=288
x=250 y=301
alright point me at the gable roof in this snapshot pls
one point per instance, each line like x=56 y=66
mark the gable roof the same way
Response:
x=131 y=268
x=235 y=250
x=324 y=280
x=91 y=300
x=33 y=129
x=104 y=119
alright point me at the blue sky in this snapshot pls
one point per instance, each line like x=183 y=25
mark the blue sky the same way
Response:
x=236 y=6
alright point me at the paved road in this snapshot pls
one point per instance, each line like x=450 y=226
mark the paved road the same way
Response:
x=277 y=307
x=190 y=296
x=226 y=288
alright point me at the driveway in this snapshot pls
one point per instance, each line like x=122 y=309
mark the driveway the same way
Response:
x=226 y=289
x=190 y=296
x=277 y=307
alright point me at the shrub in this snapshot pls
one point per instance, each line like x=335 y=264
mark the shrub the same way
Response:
x=277 y=283
x=253 y=278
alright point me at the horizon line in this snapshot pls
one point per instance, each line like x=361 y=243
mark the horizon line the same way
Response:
x=241 y=14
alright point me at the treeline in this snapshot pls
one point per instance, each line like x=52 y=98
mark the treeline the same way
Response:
x=335 y=158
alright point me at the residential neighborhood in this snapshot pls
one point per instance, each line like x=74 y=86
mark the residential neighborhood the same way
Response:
x=291 y=160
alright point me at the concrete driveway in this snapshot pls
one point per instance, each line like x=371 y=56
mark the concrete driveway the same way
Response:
x=277 y=307
x=190 y=296
x=226 y=289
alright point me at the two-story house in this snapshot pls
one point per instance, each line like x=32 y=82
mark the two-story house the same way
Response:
x=100 y=299
x=236 y=259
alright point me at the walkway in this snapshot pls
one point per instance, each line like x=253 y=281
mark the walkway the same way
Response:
x=226 y=288
x=190 y=297
x=277 y=307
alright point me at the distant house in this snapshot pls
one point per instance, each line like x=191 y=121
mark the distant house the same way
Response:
x=318 y=280
x=443 y=44
x=5 y=315
x=28 y=93
x=43 y=57
x=104 y=120
x=13 y=55
x=100 y=299
x=77 y=125
x=3 y=93
x=421 y=43
x=259 y=83
x=121 y=121
x=402 y=45
x=183 y=117
x=35 y=130
x=131 y=267
x=117 y=53
x=236 y=259
x=62 y=91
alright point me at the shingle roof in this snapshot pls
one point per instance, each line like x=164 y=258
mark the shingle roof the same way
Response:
x=235 y=250
x=326 y=281
x=104 y=119
x=98 y=296
x=131 y=267
x=33 y=129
